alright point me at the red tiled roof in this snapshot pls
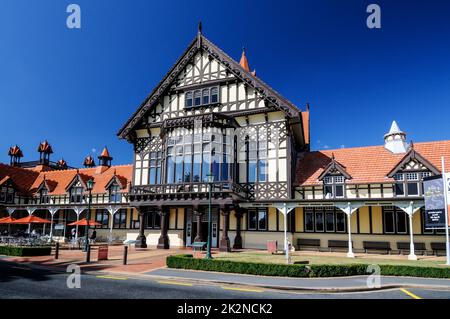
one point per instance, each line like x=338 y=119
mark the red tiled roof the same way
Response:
x=369 y=164
x=28 y=181
x=21 y=177
x=64 y=177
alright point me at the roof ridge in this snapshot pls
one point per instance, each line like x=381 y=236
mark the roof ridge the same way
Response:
x=375 y=146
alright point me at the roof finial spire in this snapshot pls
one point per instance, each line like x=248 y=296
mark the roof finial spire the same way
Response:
x=244 y=62
x=199 y=35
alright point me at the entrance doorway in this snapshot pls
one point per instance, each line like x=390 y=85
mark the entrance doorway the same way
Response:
x=191 y=226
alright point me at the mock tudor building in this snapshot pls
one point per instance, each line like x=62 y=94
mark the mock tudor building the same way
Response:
x=213 y=130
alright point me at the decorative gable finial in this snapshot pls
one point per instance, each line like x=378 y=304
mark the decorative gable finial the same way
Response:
x=199 y=35
x=307 y=106
x=411 y=145
x=244 y=61
x=332 y=157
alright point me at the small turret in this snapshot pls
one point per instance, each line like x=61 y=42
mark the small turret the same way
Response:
x=104 y=158
x=395 y=140
x=44 y=149
x=15 y=153
x=88 y=161
x=62 y=164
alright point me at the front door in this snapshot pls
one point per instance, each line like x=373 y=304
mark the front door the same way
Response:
x=191 y=226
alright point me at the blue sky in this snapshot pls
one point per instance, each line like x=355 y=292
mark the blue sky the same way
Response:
x=76 y=88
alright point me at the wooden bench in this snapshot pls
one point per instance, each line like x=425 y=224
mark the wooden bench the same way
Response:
x=438 y=247
x=404 y=247
x=377 y=245
x=343 y=244
x=200 y=245
x=308 y=242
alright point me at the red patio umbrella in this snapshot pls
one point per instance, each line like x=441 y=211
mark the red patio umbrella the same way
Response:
x=7 y=220
x=84 y=222
x=31 y=220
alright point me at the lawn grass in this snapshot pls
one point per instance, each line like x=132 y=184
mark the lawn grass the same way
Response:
x=313 y=259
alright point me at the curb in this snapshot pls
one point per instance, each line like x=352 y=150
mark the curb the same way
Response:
x=142 y=276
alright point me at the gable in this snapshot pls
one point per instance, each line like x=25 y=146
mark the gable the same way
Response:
x=203 y=62
x=413 y=161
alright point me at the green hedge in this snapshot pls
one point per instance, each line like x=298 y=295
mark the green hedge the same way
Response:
x=25 y=251
x=187 y=262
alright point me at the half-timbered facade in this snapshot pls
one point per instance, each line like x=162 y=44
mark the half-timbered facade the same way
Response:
x=212 y=117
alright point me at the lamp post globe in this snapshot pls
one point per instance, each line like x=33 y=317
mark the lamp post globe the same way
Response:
x=210 y=179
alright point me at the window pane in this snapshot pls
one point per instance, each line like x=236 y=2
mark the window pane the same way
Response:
x=178 y=169
x=252 y=220
x=214 y=95
x=188 y=99
x=309 y=221
x=330 y=222
x=401 y=222
x=328 y=190
x=339 y=190
x=319 y=221
x=399 y=189
x=413 y=188
x=389 y=222
x=262 y=176
x=152 y=175
x=196 y=168
x=197 y=98
x=170 y=170
x=340 y=222
x=262 y=220
x=157 y=220
x=252 y=172
x=187 y=168
x=205 y=96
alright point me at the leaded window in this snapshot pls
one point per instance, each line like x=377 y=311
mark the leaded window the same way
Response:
x=257 y=219
x=334 y=186
x=114 y=193
x=409 y=183
x=395 y=220
x=202 y=97
x=328 y=219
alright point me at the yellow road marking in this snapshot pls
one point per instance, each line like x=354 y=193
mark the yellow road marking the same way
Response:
x=242 y=289
x=112 y=277
x=175 y=283
x=410 y=294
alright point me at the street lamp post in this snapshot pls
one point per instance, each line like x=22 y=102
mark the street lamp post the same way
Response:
x=90 y=186
x=210 y=178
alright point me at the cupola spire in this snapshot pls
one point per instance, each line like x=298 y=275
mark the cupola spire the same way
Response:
x=395 y=140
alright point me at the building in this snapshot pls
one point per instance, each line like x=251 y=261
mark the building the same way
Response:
x=212 y=117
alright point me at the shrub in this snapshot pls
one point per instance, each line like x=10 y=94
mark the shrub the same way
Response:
x=284 y=270
x=25 y=251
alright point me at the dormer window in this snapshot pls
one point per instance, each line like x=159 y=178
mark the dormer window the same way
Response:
x=114 y=194
x=334 y=186
x=6 y=194
x=76 y=194
x=409 y=184
x=43 y=195
x=202 y=97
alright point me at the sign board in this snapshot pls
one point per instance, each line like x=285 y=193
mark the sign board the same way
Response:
x=434 y=193
x=272 y=246
x=103 y=252
x=59 y=226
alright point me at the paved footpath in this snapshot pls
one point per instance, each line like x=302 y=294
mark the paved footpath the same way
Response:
x=354 y=283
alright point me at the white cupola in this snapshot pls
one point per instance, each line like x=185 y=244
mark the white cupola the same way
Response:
x=395 y=140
